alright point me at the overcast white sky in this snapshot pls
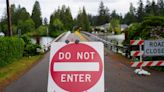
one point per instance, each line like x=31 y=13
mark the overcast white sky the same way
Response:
x=48 y=6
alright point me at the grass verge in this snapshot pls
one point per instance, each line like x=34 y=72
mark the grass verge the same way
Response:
x=13 y=71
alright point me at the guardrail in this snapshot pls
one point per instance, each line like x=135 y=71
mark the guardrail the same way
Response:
x=65 y=34
x=124 y=50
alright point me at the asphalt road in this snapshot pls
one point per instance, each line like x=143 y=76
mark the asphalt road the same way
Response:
x=119 y=77
x=35 y=80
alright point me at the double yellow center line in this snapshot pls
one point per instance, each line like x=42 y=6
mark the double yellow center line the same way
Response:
x=82 y=38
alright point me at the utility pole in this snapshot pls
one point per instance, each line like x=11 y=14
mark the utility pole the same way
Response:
x=9 y=18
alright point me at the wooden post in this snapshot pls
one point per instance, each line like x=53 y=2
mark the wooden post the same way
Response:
x=9 y=18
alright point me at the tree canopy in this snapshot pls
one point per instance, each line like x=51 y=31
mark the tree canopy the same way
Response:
x=83 y=21
x=36 y=14
x=103 y=14
x=21 y=18
x=151 y=28
x=115 y=26
x=139 y=13
x=65 y=16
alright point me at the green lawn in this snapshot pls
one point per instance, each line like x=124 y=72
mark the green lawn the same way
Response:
x=16 y=69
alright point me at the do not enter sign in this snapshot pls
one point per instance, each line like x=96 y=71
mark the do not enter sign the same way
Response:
x=76 y=67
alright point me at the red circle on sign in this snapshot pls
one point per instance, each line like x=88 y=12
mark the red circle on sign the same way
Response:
x=81 y=80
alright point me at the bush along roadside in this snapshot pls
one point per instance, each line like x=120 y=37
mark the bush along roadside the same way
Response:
x=17 y=55
x=11 y=49
x=30 y=49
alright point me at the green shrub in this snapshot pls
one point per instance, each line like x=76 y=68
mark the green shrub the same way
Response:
x=26 y=39
x=149 y=28
x=11 y=48
x=30 y=49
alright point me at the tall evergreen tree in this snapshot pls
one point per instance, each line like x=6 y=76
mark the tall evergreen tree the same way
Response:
x=154 y=9
x=83 y=21
x=132 y=13
x=140 y=11
x=18 y=14
x=69 y=19
x=20 y=20
x=161 y=7
x=36 y=14
x=148 y=8
x=65 y=16
x=86 y=24
x=114 y=15
x=130 y=16
x=92 y=19
x=104 y=15
x=79 y=18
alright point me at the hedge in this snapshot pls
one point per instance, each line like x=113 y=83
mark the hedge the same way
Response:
x=11 y=49
x=30 y=49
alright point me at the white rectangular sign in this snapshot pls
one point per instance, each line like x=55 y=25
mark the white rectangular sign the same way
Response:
x=154 y=47
x=76 y=66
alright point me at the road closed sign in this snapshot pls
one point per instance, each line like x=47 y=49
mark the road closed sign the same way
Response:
x=154 y=47
x=76 y=67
